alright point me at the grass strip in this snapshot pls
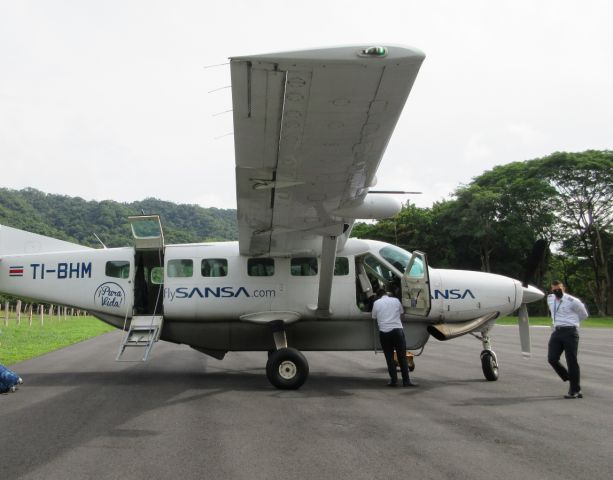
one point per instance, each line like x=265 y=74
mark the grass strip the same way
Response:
x=590 y=322
x=21 y=342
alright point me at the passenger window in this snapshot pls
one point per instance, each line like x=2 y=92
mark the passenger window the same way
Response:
x=214 y=267
x=341 y=266
x=157 y=275
x=117 y=269
x=303 y=266
x=260 y=267
x=180 y=268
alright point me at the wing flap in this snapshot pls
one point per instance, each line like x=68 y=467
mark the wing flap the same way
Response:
x=310 y=131
x=257 y=97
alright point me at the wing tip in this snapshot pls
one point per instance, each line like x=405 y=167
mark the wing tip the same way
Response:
x=348 y=53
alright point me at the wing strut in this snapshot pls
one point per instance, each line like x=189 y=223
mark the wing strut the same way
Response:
x=328 y=259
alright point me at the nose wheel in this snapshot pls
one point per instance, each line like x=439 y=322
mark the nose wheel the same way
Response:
x=489 y=364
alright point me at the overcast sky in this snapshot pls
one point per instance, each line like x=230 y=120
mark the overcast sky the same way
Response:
x=109 y=99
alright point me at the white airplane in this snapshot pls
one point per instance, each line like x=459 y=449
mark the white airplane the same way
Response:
x=310 y=130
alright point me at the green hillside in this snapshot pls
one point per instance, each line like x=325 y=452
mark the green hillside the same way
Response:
x=76 y=220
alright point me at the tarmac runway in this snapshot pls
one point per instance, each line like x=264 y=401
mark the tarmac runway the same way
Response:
x=81 y=415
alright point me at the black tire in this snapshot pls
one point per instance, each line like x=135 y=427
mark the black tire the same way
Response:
x=287 y=369
x=489 y=365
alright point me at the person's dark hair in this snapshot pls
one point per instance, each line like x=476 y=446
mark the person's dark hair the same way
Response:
x=557 y=283
x=381 y=293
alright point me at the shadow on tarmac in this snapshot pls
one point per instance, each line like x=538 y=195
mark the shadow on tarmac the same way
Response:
x=505 y=401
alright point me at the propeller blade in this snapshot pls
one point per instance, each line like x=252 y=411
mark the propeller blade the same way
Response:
x=524 y=330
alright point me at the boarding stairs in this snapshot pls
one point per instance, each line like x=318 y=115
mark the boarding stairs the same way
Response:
x=144 y=331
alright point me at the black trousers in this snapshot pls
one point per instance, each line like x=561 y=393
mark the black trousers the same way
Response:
x=390 y=341
x=565 y=340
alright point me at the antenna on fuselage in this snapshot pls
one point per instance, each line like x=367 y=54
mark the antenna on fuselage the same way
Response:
x=98 y=238
x=216 y=65
x=219 y=89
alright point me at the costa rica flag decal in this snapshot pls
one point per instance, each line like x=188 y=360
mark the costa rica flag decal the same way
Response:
x=16 y=271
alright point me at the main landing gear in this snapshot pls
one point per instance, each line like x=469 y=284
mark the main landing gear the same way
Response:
x=286 y=368
x=489 y=362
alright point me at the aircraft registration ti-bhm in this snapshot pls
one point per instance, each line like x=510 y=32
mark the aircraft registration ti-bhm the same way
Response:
x=310 y=129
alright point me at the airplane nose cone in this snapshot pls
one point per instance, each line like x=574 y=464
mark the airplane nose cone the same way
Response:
x=531 y=294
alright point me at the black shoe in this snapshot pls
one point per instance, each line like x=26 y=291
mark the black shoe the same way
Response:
x=574 y=395
x=392 y=384
x=410 y=384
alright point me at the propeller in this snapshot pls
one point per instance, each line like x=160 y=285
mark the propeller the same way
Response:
x=530 y=293
x=524 y=330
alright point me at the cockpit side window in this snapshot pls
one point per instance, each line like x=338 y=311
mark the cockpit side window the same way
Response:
x=397 y=257
x=375 y=266
x=381 y=276
x=400 y=258
x=417 y=270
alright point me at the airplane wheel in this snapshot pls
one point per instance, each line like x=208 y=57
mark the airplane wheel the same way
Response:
x=489 y=364
x=287 y=369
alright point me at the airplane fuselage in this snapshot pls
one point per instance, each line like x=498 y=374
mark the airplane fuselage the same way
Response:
x=209 y=293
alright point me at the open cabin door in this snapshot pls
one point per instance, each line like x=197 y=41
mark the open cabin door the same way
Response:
x=147 y=232
x=416 y=286
x=147 y=318
x=149 y=262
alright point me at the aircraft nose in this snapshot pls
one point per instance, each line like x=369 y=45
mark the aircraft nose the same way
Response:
x=531 y=294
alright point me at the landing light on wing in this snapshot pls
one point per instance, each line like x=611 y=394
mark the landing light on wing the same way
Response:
x=375 y=51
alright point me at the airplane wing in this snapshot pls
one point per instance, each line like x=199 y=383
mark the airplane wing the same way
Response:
x=310 y=129
x=16 y=242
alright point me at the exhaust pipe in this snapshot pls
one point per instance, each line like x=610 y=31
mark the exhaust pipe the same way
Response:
x=447 y=331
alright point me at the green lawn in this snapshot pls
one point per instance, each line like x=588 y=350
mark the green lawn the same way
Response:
x=21 y=342
x=593 y=322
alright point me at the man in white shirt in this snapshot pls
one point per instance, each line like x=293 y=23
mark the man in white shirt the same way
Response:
x=387 y=311
x=567 y=312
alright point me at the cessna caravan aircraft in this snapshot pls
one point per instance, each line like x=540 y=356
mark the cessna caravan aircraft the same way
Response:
x=310 y=129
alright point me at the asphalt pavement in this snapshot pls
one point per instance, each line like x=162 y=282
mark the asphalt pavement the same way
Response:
x=81 y=415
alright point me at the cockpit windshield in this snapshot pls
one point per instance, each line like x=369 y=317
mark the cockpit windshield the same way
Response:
x=400 y=258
